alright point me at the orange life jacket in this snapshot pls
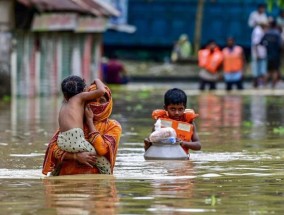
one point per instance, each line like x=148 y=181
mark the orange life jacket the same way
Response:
x=233 y=59
x=183 y=128
x=210 y=61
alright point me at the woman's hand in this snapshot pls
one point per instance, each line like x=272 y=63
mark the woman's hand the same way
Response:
x=87 y=158
x=89 y=114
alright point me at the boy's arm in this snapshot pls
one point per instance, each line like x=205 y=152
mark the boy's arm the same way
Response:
x=147 y=142
x=100 y=91
x=195 y=143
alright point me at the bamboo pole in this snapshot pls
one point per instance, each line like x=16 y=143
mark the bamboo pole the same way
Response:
x=198 y=25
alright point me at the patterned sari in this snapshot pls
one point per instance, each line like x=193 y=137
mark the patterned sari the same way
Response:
x=105 y=140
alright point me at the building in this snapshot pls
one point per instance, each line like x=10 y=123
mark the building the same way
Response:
x=56 y=38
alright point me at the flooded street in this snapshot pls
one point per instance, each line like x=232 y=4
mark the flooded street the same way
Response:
x=238 y=171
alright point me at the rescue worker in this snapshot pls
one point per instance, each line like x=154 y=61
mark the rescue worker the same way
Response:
x=233 y=65
x=209 y=60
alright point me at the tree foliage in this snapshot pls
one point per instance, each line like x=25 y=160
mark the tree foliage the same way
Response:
x=273 y=3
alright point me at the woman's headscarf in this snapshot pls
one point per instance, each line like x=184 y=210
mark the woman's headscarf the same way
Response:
x=101 y=111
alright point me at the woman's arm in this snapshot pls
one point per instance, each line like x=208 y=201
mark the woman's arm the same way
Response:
x=110 y=138
x=54 y=156
x=87 y=158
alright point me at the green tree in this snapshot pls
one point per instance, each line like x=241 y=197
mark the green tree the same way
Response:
x=273 y=3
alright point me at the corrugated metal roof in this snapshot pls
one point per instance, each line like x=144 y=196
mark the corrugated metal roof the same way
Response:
x=95 y=7
x=107 y=7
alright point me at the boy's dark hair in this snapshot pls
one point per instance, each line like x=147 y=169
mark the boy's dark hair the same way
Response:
x=72 y=85
x=175 y=96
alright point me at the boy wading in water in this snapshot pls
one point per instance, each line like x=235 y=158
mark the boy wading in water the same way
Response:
x=176 y=115
x=71 y=115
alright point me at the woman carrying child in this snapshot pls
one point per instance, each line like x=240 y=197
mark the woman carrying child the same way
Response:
x=100 y=131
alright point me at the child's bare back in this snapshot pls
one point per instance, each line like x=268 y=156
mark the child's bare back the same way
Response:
x=71 y=114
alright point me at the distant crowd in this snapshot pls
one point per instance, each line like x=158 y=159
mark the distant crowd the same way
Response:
x=228 y=64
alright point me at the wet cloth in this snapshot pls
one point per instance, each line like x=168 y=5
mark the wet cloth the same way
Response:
x=105 y=140
x=259 y=67
x=234 y=76
x=208 y=76
x=74 y=140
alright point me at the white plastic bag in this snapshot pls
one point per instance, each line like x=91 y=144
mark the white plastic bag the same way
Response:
x=163 y=135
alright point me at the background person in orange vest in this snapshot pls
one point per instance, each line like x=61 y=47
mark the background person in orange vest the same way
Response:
x=209 y=60
x=233 y=64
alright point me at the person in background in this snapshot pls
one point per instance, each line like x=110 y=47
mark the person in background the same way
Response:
x=280 y=23
x=258 y=16
x=233 y=65
x=103 y=133
x=115 y=72
x=180 y=118
x=182 y=49
x=258 y=55
x=209 y=61
x=272 y=41
x=104 y=62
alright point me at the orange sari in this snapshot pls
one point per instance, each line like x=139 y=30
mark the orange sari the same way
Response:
x=105 y=140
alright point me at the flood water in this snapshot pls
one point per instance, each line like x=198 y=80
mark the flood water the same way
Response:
x=238 y=171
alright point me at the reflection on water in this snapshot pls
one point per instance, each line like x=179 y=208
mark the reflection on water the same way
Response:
x=87 y=196
x=210 y=111
x=238 y=171
x=258 y=117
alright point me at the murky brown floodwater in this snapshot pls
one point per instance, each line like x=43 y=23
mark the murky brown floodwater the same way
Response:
x=238 y=171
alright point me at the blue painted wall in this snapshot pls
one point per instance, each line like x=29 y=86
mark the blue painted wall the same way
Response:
x=160 y=22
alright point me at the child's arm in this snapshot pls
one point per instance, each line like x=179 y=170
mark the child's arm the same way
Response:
x=100 y=91
x=195 y=142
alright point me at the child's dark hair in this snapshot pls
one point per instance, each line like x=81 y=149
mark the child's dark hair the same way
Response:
x=175 y=96
x=72 y=85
